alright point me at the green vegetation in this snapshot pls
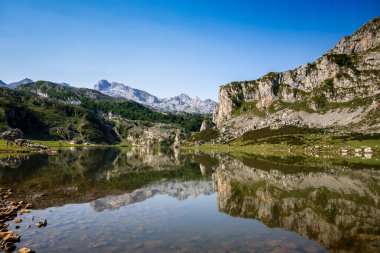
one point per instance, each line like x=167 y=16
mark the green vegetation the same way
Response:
x=319 y=100
x=48 y=119
x=267 y=132
x=248 y=107
x=80 y=115
x=290 y=140
x=340 y=75
x=329 y=85
x=268 y=77
x=12 y=149
x=97 y=102
x=205 y=135
x=343 y=60
x=311 y=67
x=276 y=89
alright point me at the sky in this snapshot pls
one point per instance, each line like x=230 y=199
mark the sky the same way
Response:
x=168 y=47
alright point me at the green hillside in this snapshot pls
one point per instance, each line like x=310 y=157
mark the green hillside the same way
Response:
x=49 y=111
x=97 y=102
x=41 y=118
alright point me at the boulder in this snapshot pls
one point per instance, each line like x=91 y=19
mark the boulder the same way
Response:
x=25 y=250
x=12 y=134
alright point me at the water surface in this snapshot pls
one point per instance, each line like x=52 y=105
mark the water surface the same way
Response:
x=147 y=200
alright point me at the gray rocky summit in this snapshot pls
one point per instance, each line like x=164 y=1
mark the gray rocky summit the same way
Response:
x=180 y=103
x=339 y=90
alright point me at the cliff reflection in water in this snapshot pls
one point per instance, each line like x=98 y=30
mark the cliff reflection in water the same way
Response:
x=334 y=205
x=86 y=174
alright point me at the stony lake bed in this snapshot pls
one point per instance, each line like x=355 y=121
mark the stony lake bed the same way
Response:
x=102 y=199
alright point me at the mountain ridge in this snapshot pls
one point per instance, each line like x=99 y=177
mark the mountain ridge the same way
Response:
x=340 y=90
x=180 y=103
x=14 y=85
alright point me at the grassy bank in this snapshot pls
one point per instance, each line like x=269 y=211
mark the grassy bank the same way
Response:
x=13 y=149
x=291 y=140
x=51 y=144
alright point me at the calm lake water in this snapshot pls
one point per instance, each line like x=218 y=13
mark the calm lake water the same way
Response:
x=146 y=200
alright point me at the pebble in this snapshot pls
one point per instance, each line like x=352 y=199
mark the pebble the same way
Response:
x=25 y=250
x=17 y=220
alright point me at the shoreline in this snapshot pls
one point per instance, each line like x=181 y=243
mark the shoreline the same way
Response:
x=53 y=147
x=314 y=146
x=13 y=211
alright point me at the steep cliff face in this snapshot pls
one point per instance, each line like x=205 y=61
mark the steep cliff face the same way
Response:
x=346 y=77
x=142 y=133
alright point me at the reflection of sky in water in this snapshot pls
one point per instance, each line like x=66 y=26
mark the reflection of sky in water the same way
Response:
x=143 y=201
x=158 y=224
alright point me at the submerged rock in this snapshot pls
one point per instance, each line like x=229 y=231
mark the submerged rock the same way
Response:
x=9 y=247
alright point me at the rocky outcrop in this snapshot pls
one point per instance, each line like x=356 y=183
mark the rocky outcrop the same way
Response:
x=142 y=133
x=12 y=134
x=207 y=125
x=348 y=72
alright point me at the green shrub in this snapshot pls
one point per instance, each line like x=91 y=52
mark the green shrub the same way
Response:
x=343 y=60
x=329 y=85
x=276 y=89
x=205 y=135
x=267 y=132
x=311 y=67
x=320 y=100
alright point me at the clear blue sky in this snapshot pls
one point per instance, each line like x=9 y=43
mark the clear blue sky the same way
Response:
x=167 y=47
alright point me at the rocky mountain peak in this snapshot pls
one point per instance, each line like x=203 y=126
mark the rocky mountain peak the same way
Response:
x=2 y=83
x=365 y=38
x=321 y=94
x=16 y=84
x=118 y=86
x=102 y=85
x=180 y=103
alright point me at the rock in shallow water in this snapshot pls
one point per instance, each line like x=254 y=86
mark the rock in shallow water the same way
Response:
x=9 y=247
x=25 y=250
x=41 y=224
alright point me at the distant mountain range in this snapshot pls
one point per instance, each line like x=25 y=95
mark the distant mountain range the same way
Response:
x=177 y=104
x=14 y=85
x=180 y=103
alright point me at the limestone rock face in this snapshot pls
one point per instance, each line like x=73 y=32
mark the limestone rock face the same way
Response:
x=365 y=38
x=351 y=70
x=141 y=133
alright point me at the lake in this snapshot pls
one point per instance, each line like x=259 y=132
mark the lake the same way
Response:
x=157 y=200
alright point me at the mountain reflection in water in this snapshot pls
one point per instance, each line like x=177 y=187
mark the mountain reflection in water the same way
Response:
x=334 y=202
